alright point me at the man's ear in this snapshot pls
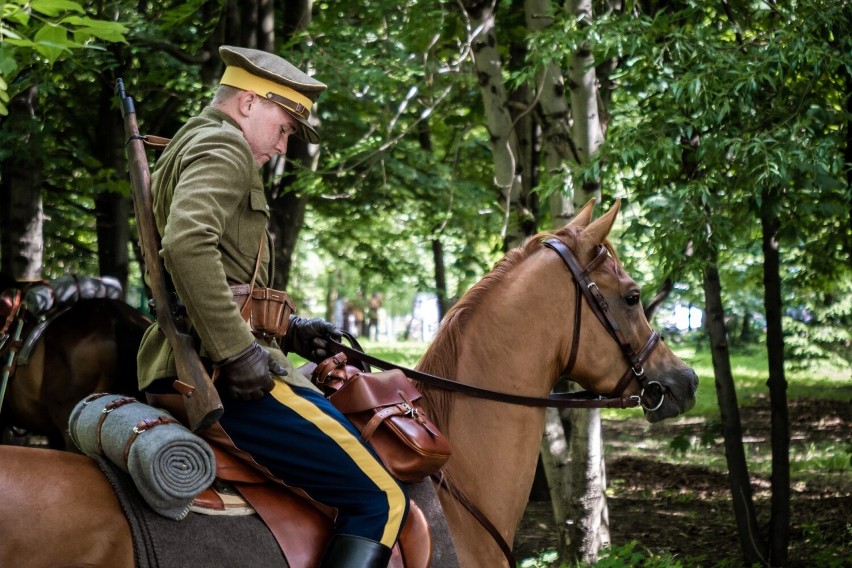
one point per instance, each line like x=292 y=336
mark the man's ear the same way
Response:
x=246 y=100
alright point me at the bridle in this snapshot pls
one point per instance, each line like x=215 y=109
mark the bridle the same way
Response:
x=586 y=286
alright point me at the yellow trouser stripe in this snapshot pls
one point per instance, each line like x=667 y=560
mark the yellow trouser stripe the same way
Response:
x=353 y=447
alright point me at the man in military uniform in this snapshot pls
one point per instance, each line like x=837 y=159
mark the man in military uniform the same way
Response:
x=211 y=212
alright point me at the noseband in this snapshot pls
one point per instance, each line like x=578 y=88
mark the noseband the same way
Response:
x=599 y=306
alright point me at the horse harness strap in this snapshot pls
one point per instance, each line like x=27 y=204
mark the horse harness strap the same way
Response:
x=477 y=514
x=16 y=306
x=600 y=308
x=582 y=399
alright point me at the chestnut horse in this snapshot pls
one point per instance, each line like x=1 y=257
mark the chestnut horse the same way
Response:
x=89 y=348
x=513 y=332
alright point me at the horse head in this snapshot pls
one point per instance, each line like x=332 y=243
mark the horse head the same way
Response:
x=628 y=358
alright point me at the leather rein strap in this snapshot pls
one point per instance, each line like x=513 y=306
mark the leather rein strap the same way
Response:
x=584 y=399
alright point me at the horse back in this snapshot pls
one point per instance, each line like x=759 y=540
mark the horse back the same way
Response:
x=57 y=509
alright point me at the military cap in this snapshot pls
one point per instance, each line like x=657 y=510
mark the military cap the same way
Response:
x=273 y=78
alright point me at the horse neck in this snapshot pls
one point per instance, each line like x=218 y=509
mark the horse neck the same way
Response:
x=512 y=343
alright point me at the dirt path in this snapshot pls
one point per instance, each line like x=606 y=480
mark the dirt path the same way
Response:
x=685 y=510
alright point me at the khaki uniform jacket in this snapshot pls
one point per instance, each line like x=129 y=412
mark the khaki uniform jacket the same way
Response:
x=211 y=212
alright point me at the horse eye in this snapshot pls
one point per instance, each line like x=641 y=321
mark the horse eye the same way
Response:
x=632 y=299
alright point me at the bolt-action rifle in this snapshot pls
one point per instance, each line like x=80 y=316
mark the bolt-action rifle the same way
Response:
x=202 y=402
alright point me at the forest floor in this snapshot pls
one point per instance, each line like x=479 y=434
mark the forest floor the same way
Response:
x=670 y=506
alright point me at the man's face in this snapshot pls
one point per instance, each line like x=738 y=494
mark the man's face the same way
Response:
x=267 y=128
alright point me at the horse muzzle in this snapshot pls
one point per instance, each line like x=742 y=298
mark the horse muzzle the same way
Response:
x=667 y=399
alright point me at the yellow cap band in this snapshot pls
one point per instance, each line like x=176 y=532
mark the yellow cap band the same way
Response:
x=242 y=79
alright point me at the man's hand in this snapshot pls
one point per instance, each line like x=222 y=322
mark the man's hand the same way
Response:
x=309 y=338
x=246 y=375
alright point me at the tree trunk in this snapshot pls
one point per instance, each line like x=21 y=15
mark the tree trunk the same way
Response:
x=779 y=521
x=504 y=141
x=525 y=129
x=554 y=118
x=112 y=210
x=555 y=461
x=753 y=546
x=288 y=207
x=656 y=302
x=588 y=517
x=21 y=211
x=582 y=83
x=579 y=499
x=440 y=278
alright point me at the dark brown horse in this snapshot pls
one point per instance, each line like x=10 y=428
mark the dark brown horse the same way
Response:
x=514 y=332
x=90 y=346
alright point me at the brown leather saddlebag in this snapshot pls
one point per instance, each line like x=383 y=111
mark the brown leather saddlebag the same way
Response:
x=266 y=310
x=385 y=407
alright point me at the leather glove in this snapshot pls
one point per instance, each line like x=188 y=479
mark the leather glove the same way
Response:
x=246 y=375
x=309 y=338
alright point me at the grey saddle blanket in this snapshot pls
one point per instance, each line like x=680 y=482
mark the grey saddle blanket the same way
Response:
x=228 y=542
x=197 y=540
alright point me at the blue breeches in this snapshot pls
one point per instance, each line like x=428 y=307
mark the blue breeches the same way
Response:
x=308 y=444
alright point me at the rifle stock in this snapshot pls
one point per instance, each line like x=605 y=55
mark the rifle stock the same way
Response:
x=203 y=405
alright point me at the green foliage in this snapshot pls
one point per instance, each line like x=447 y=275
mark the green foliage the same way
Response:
x=627 y=556
x=718 y=117
x=41 y=32
x=404 y=156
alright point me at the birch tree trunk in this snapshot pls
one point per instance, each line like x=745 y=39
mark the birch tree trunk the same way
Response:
x=21 y=210
x=574 y=467
x=554 y=119
x=582 y=83
x=504 y=141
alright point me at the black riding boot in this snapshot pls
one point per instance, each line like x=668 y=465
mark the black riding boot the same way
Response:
x=347 y=551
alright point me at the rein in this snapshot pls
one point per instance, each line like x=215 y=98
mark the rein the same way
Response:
x=584 y=399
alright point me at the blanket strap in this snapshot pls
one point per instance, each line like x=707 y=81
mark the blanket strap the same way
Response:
x=143 y=426
x=117 y=403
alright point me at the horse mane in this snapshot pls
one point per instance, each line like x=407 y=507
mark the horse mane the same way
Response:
x=441 y=358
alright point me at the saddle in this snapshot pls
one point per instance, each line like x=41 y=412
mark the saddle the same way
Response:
x=44 y=301
x=300 y=526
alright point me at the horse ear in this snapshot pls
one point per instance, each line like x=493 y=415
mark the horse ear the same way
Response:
x=584 y=216
x=598 y=230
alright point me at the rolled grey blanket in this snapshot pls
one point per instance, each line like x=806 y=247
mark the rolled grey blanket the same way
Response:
x=169 y=464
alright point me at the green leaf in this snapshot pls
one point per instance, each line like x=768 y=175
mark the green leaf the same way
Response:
x=17 y=16
x=101 y=29
x=8 y=64
x=56 y=7
x=9 y=33
x=21 y=42
x=52 y=41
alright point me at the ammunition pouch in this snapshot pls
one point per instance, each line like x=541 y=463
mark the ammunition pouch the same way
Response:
x=267 y=311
